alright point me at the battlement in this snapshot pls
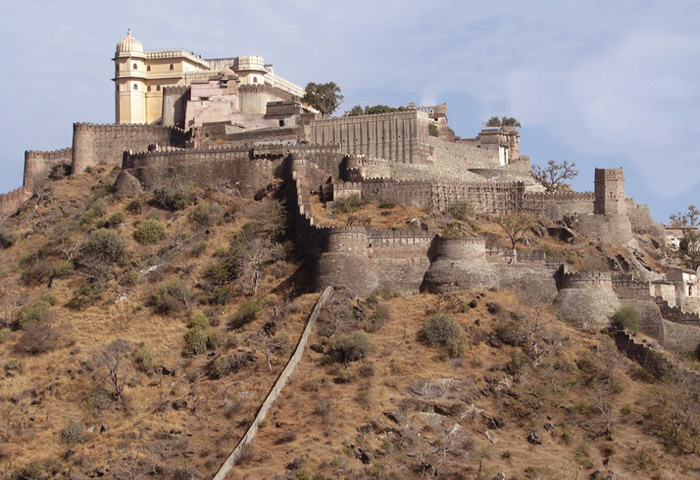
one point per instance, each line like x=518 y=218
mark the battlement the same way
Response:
x=10 y=202
x=175 y=89
x=586 y=280
x=359 y=118
x=544 y=196
x=49 y=155
x=676 y=314
x=123 y=127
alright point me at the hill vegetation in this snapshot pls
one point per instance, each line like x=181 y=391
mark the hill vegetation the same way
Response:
x=138 y=337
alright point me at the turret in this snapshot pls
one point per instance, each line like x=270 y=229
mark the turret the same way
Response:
x=130 y=80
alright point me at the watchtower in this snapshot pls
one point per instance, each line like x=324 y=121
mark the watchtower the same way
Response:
x=609 y=191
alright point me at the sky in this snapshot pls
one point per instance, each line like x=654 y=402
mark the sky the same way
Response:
x=600 y=83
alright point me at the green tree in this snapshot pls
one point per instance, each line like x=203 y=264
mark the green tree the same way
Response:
x=502 y=122
x=689 y=218
x=516 y=227
x=553 y=175
x=689 y=248
x=324 y=97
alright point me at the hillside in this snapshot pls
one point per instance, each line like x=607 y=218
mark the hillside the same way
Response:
x=139 y=337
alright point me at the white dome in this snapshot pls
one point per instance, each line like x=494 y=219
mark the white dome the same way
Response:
x=129 y=44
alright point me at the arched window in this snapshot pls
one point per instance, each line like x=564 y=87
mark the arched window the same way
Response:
x=148 y=89
x=148 y=68
x=172 y=67
x=158 y=88
x=136 y=86
x=136 y=67
x=255 y=79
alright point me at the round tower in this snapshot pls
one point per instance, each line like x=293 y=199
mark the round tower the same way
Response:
x=345 y=263
x=587 y=300
x=250 y=69
x=130 y=80
x=459 y=264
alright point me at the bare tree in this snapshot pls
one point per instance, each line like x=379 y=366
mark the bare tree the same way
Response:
x=516 y=227
x=552 y=176
x=113 y=358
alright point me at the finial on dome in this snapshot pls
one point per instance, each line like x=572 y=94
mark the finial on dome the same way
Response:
x=128 y=32
x=129 y=44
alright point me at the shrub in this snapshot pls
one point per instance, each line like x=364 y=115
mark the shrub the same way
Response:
x=149 y=232
x=350 y=347
x=461 y=210
x=226 y=365
x=228 y=268
x=433 y=130
x=38 y=338
x=39 y=271
x=175 y=198
x=6 y=240
x=113 y=221
x=4 y=333
x=350 y=204
x=63 y=268
x=199 y=338
x=626 y=318
x=221 y=295
x=443 y=331
x=35 y=313
x=171 y=296
x=88 y=294
x=386 y=205
x=73 y=432
x=247 y=312
x=98 y=209
x=201 y=214
x=105 y=244
x=510 y=333
x=144 y=359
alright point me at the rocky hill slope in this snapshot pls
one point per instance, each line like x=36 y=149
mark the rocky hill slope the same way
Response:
x=138 y=338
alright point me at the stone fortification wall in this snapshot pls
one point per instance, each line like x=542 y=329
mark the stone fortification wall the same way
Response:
x=627 y=287
x=676 y=314
x=459 y=263
x=614 y=229
x=641 y=221
x=483 y=197
x=556 y=206
x=587 y=300
x=276 y=389
x=254 y=98
x=534 y=280
x=397 y=137
x=38 y=165
x=93 y=144
x=681 y=337
x=225 y=166
x=10 y=202
x=174 y=105
x=400 y=257
x=650 y=320
x=460 y=156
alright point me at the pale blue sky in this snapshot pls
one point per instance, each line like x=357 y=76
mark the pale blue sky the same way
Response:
x=600 y=83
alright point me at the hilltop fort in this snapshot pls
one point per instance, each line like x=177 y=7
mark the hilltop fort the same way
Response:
x=234 y=123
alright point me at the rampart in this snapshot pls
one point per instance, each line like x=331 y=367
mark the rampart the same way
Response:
x=38 y=165
x=557 y=205
x=10 y=202
x=628 y=288
x=224 y=166
x=93 y=144
x=587 y=280
x=676 y=314
x=396 y=137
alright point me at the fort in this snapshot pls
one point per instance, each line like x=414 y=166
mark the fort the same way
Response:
x=234 y=122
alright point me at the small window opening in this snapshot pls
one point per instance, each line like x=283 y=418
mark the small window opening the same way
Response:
x=255 y=79
x=172 y=67
x=136 y=67
x=148 y=68
x=158 y=88
x=136 y=86
x=148 y=89
x=281 y=122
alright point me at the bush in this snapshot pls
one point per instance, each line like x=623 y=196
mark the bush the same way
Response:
x=63 y=269
x=88 y=294
x=98 y=209
x=149 y=232
x=171 y=296
x=443 y=331
x=626 y=318
x=199 y=338
x=35 y=313
x=433 y=130
x=229 y=364
x=38 y=338
x=38 y=272
x=350 y=347
x=113 y=221
x=247 y=312
x=73 y=432
x=461 y=210
x=175 y=198
x=201 y=214
x=221 y=295
x=105 y=244
x=144 y=359
x=6 y=240
x=227 y=269
x=350 y=204
x=510 y=333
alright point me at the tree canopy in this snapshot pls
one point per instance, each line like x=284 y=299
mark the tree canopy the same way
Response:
x=502 y=122
x=324 y=97
x=553 y=175
x=373 y=110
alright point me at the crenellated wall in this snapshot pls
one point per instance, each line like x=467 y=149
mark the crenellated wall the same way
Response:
x=10 y=202
x=397 y=137
x=94 y=144
x=557 y=205
x=587 y=300
x=38 y=165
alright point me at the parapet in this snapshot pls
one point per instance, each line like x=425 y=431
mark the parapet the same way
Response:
x=586 y=280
